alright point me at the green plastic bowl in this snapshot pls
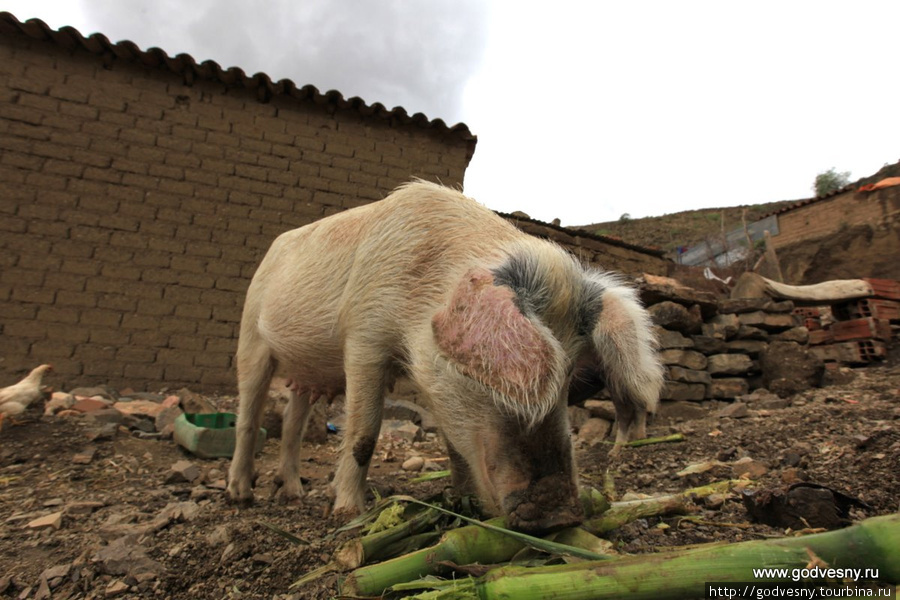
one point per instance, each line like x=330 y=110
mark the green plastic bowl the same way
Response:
x=210 y=435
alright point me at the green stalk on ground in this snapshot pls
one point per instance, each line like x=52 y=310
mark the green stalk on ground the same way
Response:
x=872 y=544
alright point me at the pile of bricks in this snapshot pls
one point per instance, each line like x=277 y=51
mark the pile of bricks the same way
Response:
x=856 y=332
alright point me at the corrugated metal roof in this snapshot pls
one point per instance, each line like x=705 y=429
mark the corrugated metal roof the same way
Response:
x=185 y=65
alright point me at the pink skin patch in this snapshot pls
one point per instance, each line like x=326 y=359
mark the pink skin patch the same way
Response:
x=489 y=340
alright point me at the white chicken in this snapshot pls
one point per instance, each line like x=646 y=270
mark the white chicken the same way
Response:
x=15 y=399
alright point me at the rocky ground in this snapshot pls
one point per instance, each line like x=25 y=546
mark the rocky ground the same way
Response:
x=99 y=506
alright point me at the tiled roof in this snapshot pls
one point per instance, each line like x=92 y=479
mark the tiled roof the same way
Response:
x=886 y=171
x=185 y=65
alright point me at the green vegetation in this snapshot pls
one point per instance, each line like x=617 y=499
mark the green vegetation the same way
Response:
x=830 y=181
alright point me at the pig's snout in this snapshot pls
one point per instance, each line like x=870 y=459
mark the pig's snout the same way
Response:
x=546 y=505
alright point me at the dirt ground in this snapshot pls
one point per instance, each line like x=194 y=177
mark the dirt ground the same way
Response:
x=126 y=532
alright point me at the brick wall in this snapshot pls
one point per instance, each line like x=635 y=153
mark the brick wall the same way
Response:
x=134 y=207
x=828 y=216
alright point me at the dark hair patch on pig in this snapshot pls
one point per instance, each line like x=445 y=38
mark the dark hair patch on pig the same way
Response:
x=521 y=274
x=590 y=305
x=362 y=451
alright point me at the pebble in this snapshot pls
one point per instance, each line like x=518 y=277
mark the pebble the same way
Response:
x=53 y=520
x=415 y=463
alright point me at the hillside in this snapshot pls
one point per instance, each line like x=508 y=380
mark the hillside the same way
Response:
x=684 y=228
x=689 y=227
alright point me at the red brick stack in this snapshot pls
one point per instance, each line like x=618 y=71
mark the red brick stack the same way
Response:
x=860 y=330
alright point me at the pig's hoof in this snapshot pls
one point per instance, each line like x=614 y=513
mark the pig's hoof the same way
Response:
x=234 y=497
x=345 y=514
x=288 y=490
x=616 y=450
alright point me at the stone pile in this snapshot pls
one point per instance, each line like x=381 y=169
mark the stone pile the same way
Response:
x=724 y=349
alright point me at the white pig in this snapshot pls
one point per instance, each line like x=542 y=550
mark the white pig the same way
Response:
x=494 y=326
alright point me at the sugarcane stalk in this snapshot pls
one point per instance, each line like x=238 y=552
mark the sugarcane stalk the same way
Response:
x=621 y=513
x=359 y=551
x=872 y=544
x=463 y=546
x=675 y=437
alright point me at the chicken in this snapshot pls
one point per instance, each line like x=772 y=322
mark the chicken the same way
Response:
x=15 y=399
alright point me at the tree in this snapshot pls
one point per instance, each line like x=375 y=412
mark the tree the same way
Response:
x=830 y=181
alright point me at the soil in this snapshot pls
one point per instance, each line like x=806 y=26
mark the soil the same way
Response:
x=844 y=436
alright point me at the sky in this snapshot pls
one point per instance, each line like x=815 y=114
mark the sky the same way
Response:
x=584 y=112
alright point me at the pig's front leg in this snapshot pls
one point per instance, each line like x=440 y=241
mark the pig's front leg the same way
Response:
x=364 y=403
x=295 y=418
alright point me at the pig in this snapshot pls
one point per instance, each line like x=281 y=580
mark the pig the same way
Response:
x=497 y=328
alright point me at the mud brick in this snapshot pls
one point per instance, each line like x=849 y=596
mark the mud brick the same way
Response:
x=887 y=289
x=868 y=307
x=860 y=329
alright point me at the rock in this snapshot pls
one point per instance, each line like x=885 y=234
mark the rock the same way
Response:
x=676 y=317
x=747 y=467
x=317 y=425
x=708 y=345
x=799 y=335
x=106 y=415
x=85 y=457
x=746 y=332
x=681 y=410
x=577 y=417
x=171 y=402
x=220 y=536
x=748 y=347
x=594 y=431
x=89 y=405
x=727 y=387
x=115 y=588
x=671 y=339
x=401 y=410
x=601 y=409
x=729 y=364
x=770 y=322
x=743 y=305
x=88 y=392
x=43 y=591
x=688 y=375
x=722 y=326
x=735 y=410
x=788 y=368
x=58 y=401
x=145 y=408
x=684 y=358
x=54 y=575
x=53 y=520
x=180 y=512
x=765 y=400
x=403 y=430
x=80 y=509
x=654 y=289
x=183 y=471
x=194 y=403
x=165 y=420
x=674 y=390
x=414 y=463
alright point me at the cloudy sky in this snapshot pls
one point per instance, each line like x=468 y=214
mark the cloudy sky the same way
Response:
x=586 y=111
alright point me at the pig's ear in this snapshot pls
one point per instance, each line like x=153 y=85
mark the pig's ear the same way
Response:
x=487 y=338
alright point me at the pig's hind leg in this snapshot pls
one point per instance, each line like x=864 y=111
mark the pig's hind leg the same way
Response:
x=365 y=384
x=255 y=366
x=295 y=418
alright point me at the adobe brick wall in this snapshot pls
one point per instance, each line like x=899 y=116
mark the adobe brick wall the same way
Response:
x=135 y=208
x=828 y=216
